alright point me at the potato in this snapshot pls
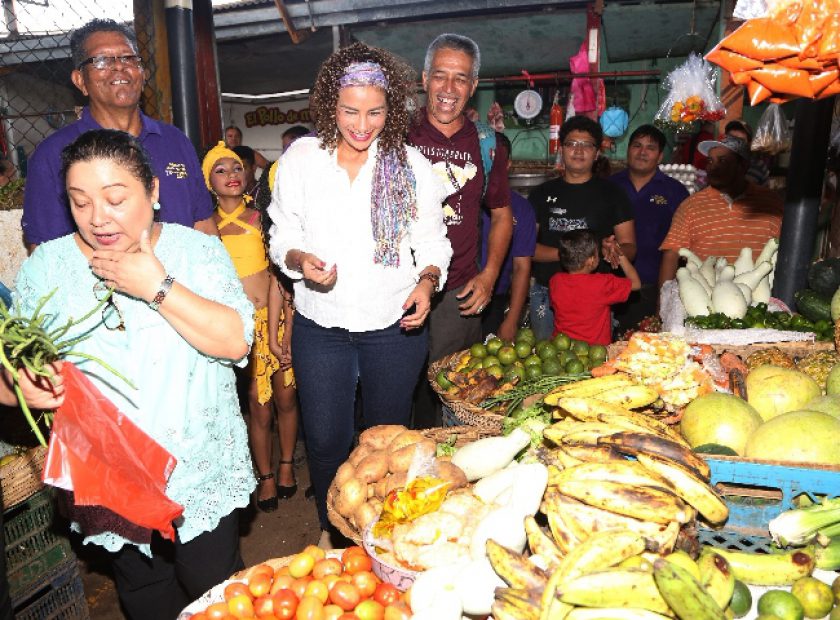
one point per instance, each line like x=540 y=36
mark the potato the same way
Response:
x=406 y=438
x=358 y=454
x=395 y=481
x=381 y=488
x=400 y=460
x=452 y=474
x=365 y=515
x=378 y=437
x=371 y=489
x=344 y=473
x=373 y=467
x=351 y=495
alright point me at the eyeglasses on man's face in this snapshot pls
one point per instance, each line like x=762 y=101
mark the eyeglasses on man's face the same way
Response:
x=101 y=63
x=578 y=144
x=112 y=318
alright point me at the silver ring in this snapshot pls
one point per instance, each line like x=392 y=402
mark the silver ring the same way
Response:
x=481 y=308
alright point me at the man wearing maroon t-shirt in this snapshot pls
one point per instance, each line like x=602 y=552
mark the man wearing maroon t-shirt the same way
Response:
x=451 y=142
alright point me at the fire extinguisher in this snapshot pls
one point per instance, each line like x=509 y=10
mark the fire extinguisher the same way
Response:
x=554 y=123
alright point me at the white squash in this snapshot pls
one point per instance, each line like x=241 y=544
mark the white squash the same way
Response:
x=690 y=256
x=708 y=270
x=720 y=263
x=486 y=456
x=694 y=297
x=746 y=291
x=761 y=293
x=744 y=263
x=727 y=274
x=476 y=587
x=505 y=525
x=529 y=488
x=698 y=275
x=491 y=487
x=767 y=252
x=752 y=278
x=728 y=299
x=434 y=593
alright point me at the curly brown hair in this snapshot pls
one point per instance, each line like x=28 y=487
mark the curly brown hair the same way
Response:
x=401 y=88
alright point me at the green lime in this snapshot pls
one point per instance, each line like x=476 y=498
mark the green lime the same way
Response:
x=741 y=602
x=532 y=360
x=574 y=367
x=782 y=604
x=767 y=617
x=514 y=374
x=526 y=333
x=547 y=351
x=522 y=348
x=475 y=362
x=816 y=598
x=552 y=366
x=442 y=380
x=534 y=371
x=494 y=344
x=495 y=371
x=507 y=355
x=562 y=342
x=580 y=348
x=478 y=350
x=490 y=360
x=598 y=352
x=566 y=356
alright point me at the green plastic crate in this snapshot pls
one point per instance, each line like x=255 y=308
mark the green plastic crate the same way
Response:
x=61 y=598
x=35 y=547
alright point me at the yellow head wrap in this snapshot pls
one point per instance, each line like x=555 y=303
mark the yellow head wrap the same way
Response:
x=271 y=172
x=213 y=155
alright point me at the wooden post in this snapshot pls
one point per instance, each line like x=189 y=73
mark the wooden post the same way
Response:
x=150 y=27
x=209 y=93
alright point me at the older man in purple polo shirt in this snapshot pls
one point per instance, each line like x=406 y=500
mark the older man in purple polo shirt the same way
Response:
x=110 y=73
x=655 y=197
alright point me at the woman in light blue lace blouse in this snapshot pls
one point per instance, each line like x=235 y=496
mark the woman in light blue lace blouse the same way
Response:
x=178 y=322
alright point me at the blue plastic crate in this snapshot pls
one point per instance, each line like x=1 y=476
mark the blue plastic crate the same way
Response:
x=758 y=491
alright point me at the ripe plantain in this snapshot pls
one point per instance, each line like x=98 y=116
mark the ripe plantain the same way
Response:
x=644 y=443
x=600 y=551
x=646 y=503
x=684 y=593
x=588 y=387
x=514 y=568
x=617 y=587
x=631 y=473
x=770 y=569
x=541 y=543
x=630 y=397
x=716 y=576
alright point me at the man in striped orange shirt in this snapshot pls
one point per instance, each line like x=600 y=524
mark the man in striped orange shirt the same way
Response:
x=730 y=214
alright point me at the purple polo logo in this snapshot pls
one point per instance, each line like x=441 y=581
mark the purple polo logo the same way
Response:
x=179 y=171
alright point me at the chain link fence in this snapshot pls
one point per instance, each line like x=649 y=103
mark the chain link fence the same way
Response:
x=36 y=93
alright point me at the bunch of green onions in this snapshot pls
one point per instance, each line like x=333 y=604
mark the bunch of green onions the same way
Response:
x=28 y=342
x=818 y=522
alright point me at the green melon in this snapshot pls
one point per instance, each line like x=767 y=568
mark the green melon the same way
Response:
x=719 y=418
x=773 y=390
x=797 y=436
x=829 y=403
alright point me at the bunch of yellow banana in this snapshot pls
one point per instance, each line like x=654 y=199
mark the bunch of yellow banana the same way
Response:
x=610 y=576
x=617 y=389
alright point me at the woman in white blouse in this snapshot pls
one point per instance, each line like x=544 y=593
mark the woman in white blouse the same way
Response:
x=358 y=224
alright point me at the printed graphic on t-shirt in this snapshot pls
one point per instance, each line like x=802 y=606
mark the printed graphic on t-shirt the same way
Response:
x=179 y=171
x=558 y=223
x=454 y=176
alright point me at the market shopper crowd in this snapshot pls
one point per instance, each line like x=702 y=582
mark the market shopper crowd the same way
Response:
x=380 y=241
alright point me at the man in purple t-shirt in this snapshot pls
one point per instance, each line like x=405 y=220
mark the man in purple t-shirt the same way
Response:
x=654 y=197
x=110 y=73
x=451 y=142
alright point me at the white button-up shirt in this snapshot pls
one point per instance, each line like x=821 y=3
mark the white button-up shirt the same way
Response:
x=316 y=209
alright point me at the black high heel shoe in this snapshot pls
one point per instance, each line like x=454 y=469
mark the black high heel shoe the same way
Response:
x=270 y=503
x=283 y=491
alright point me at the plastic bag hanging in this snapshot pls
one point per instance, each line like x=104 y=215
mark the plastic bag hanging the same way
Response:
x=614 y=121
x=691 y=97
x=772 y=134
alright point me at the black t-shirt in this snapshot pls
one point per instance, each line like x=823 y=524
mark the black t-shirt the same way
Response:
x=597 y=205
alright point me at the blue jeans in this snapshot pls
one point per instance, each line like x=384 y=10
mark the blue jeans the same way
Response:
x=328 y=363
x=541 y=315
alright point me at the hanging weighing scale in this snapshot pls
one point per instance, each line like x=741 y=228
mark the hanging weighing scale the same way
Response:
x=528 y=104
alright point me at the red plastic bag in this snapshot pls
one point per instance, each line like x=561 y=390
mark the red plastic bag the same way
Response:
x=582 y=87
x=107 y=460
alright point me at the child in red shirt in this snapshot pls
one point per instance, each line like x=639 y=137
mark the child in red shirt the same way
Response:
x=580 y=298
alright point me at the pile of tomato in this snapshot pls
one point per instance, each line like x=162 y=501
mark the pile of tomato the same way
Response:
x=312 y=587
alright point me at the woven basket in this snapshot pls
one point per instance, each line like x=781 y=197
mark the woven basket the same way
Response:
x=795 y=350
x=464 y=412
x=463 y=435
x=21 y=478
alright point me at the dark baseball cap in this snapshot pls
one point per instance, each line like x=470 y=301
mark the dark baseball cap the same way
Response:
x=736 y=145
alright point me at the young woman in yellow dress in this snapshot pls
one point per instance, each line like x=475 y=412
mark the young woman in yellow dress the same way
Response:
x=241 y=233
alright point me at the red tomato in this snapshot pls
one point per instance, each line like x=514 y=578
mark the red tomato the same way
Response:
x=301 y=565
x=285 y=604
x=217 y=611
x=357 y=563
x=397 y=611
x=299 y=585
x=199 y=616
x=386 y=594
x=264 y=607
x=315 y=551
x=370 y=610
x=260 y=584
x=345 y=595
x=354 y=550
x=366 y=582
x=348 y=616
x=331 y=612
x=281 y=582
x=328 y=566
x=318 y=589
x=241 y=606
x=262 y=569
x=310 y=608
x=235 y=589
x=330 y=580
x=283 y=570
